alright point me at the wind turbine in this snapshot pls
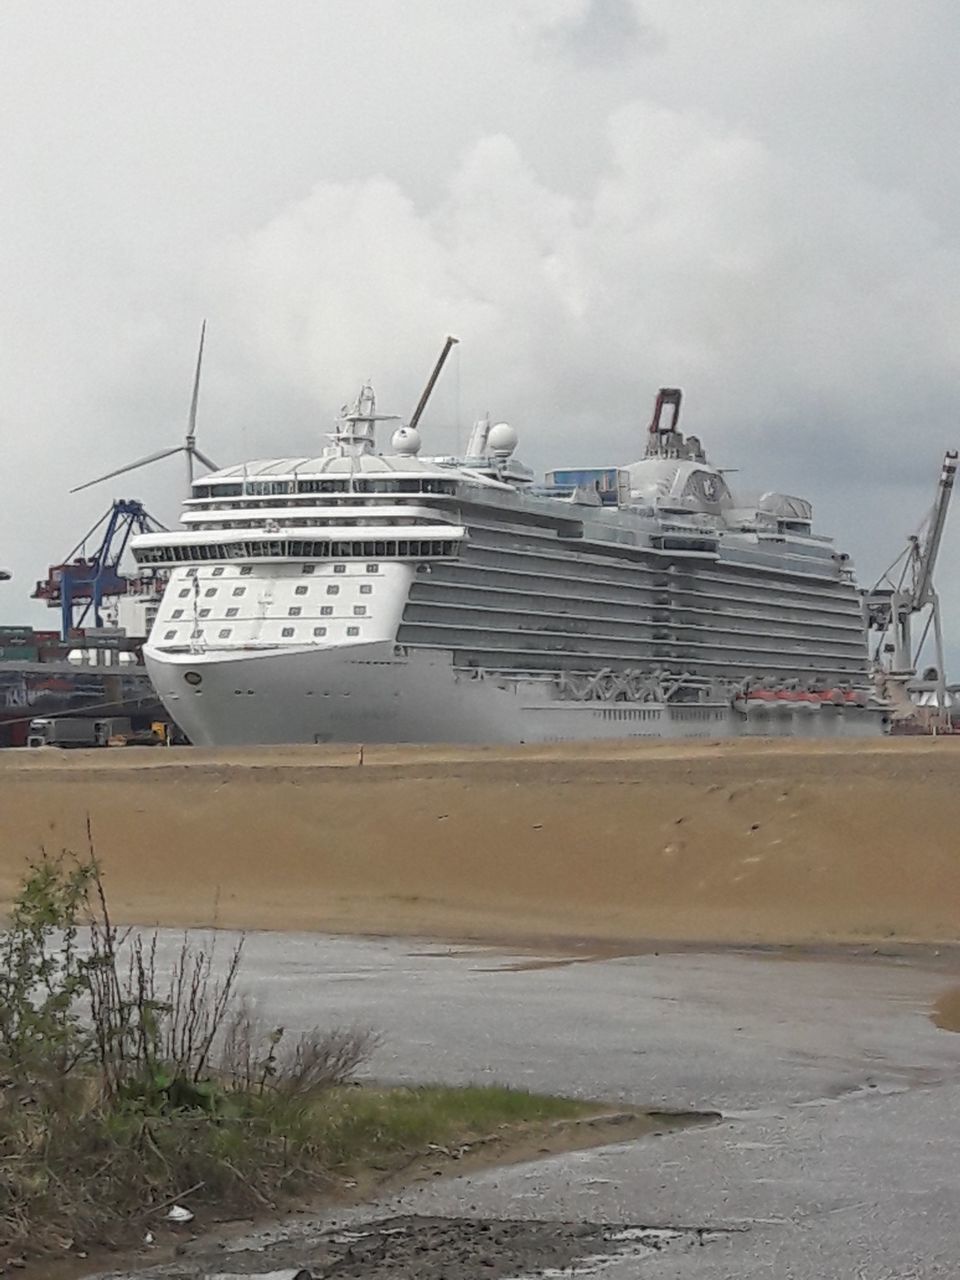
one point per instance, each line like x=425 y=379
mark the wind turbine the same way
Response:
x=188 y=448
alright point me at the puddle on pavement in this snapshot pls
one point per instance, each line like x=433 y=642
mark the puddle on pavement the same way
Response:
x=529 y=966
x=412 y=1248
x=946 y=1011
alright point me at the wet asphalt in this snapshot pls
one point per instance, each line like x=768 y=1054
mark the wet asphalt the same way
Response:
x=838 y=1151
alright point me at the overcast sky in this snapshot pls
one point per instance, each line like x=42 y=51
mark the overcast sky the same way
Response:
x=756 y=200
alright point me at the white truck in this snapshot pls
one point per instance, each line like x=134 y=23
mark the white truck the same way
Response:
x=81 y=731
x=62 y=731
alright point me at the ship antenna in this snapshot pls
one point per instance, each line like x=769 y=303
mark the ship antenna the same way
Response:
x=432 y=381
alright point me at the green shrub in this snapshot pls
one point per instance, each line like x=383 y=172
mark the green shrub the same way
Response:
x=120 y=1087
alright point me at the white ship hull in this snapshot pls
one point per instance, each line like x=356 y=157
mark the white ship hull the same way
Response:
x=369 y=694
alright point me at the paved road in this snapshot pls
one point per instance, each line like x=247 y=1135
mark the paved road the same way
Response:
x=839 y=1151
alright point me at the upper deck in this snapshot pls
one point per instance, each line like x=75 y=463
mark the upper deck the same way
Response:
x=672 y=502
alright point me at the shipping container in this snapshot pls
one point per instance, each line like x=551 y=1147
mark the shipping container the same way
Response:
x=18 y=652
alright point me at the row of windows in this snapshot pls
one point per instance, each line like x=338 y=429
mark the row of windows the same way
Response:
x=266 y=488
x=359 y=611
x=631 y=713
x=339 y=568
x=326 y=611
x=332 y=590
x=311 y=520
x=286 y=632
x=246 y=570
x=295 y=549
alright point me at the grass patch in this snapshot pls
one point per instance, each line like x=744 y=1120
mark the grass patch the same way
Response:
x=127 y=1084
x=379 y=1124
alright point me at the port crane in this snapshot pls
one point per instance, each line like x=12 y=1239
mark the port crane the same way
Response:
x=79 y=586
x=907 y=590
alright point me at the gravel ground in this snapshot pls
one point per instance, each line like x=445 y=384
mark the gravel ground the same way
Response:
x=837 y=1154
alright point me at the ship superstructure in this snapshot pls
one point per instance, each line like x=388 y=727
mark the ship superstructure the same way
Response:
x=394 y=597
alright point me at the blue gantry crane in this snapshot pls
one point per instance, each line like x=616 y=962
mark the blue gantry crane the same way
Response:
x=79 y=586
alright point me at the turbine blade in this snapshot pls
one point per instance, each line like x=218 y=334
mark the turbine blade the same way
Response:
x=133 y=466
x=192 y=421
x=204 y=459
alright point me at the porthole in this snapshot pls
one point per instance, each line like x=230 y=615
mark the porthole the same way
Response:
x=193 y=677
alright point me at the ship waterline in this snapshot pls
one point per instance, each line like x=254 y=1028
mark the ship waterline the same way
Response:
x=360 y=596
x=366 y=694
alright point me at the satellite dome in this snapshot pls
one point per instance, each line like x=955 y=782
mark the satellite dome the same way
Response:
x=502 y=440
x=406 y=441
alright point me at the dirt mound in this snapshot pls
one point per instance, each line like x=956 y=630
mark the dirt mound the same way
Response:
x=735 y=842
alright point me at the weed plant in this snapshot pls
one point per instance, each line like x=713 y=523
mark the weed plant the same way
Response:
x=126 y=1083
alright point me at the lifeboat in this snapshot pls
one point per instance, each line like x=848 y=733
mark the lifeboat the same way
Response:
x=784 y=701
x=757 y=701
x=807 y=702
x=798 y=701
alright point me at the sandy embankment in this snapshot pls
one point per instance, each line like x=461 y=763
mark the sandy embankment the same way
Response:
x=735 y=842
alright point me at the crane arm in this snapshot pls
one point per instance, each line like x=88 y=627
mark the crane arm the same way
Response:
x=938 y=518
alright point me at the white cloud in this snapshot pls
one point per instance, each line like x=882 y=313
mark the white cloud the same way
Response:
x=698 y=256
x=597 y=199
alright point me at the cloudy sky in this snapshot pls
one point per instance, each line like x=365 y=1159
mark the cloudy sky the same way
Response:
x=756 y=200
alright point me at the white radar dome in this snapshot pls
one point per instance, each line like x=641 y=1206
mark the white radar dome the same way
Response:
x=406 y=441
x=502 y=440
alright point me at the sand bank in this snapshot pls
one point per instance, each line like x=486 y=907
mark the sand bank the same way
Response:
x=746 y=842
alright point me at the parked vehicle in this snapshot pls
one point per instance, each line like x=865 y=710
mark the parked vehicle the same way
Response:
x=63 y=731
x=104 y=731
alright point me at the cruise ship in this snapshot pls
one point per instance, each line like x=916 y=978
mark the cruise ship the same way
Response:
x=364 y=596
